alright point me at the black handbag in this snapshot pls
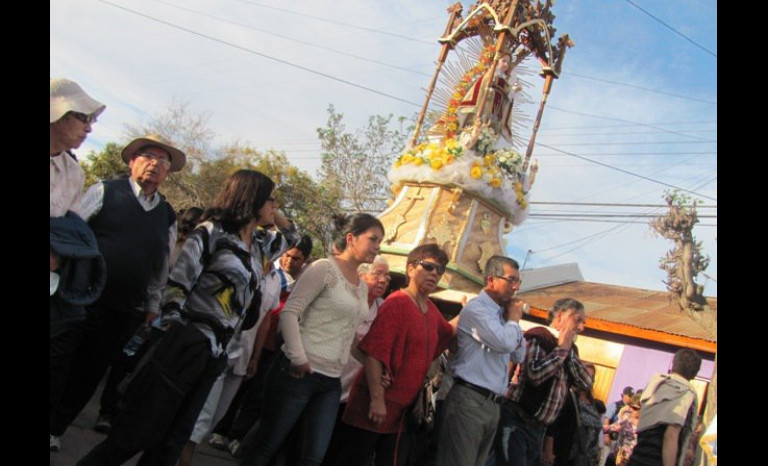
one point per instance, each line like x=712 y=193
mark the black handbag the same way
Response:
x=421 y=414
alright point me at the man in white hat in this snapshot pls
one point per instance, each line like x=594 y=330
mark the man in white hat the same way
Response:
x=73 y=113
x=136 y=229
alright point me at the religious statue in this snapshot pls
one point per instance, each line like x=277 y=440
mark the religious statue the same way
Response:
x=499 y=98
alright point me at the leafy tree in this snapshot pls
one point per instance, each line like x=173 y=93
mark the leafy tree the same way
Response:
x=355 y=165
x=104 y=164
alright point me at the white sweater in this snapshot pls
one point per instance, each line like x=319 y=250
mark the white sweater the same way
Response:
x=319 y=319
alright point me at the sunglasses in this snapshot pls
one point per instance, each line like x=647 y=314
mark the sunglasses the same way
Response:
x=431 y=266
x=83 y=118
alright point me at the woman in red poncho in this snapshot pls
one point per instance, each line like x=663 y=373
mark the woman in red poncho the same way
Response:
x=407 y=335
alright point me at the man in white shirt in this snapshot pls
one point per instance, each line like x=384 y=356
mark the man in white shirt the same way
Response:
x=136 y=229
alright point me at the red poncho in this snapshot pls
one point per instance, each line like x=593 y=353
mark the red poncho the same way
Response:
x=406 y=342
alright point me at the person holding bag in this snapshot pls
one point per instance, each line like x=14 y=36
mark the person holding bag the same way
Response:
x=209 y=289
x=407 y=335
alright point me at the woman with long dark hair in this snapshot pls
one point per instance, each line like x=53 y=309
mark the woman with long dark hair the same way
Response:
x=318 y=325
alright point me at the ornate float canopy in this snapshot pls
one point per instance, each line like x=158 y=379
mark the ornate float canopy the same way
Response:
x=464 y=178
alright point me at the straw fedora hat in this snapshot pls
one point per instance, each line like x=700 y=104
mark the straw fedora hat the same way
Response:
x=178 y=158
x=67 y=96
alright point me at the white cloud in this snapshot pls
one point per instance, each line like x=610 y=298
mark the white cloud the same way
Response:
x=137 y=65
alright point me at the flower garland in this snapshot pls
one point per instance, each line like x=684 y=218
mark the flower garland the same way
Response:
x=460 y=90
x=490 y=168
x=431 y=154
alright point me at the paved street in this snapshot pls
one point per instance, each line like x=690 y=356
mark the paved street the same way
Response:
x=80 y=438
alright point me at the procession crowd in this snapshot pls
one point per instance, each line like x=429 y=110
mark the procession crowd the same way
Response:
x=215 y=324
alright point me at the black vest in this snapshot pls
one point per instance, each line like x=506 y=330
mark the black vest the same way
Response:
x=134 y=243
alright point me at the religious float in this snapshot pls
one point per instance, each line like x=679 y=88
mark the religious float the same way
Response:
x=464 y=179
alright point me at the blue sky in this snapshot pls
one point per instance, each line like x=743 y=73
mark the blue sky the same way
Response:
x=636 y=98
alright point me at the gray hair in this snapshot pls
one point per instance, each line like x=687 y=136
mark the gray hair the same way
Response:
x=563 y=305
x=366 y=267
x=495 y=266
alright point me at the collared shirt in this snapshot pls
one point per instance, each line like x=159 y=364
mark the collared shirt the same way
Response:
x=541 y=366
x=90 y=206
x=286 y=280
x=67 y=180
x=486 y=343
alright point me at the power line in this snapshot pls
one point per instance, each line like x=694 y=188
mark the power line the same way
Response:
x=268 y=57
x=555 y=214
x=633 y=143
x=566 y=219
x=400 y=36
x=634 y=86
x=341 y=23
x=628 y=172
x=591 y=115
x=671 y=28
x=697 y=122
x=607 y=204
x=302 y=42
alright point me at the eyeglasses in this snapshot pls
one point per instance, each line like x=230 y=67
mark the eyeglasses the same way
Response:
x=381 y=274
x=83 y=118
x=431 y=266
x=159 y=158
x=511 y=280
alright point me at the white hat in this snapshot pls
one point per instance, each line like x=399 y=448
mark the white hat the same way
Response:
x=178 y=158
x=67 y=96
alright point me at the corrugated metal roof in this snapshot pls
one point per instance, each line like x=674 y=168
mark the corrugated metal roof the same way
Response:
x=646 y=309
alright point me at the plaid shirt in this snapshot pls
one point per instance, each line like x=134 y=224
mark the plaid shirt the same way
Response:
x=540 y=367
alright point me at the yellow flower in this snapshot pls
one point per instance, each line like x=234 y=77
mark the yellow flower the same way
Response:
x=418 y=161
x=488 y=160
x=451 y=143
x=397 y=163
x=476 y=172
x=436 y=164
x=495 y=183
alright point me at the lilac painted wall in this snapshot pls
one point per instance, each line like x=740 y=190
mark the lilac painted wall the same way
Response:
x=638 y=365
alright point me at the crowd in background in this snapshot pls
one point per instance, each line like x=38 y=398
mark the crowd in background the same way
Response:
x=216 y=323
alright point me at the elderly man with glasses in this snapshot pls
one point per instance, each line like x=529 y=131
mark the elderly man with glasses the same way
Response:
x=136 y=229
x=489 y=336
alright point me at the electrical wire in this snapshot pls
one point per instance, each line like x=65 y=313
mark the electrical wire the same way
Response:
x=671 y=28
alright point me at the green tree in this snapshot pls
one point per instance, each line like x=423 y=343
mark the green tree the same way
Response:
x=355 y=164
x=104 y=165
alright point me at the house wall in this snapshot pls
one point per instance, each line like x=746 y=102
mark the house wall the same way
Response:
x=638 y=365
